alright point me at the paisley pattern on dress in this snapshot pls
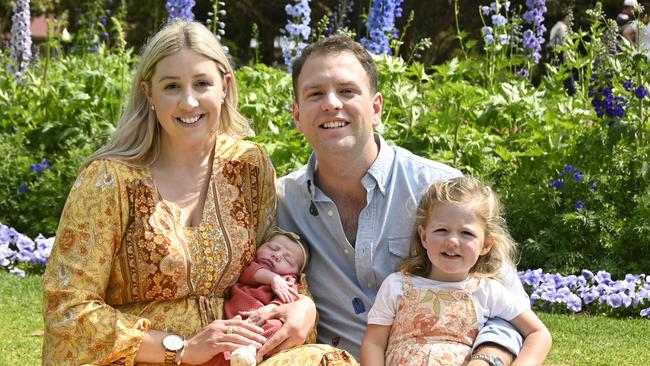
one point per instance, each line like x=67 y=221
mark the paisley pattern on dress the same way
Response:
x=122 y=263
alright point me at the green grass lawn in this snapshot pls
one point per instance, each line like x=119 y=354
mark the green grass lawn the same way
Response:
x=577 y=340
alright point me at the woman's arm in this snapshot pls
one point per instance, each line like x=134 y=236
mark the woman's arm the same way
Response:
x=80 y=327
x=537 y=341
x=373 y=347
x=208 y=342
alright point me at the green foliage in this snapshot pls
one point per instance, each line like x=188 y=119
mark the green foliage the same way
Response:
x=62 y=111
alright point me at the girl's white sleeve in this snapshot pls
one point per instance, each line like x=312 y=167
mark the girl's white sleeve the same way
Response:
x=388 y=297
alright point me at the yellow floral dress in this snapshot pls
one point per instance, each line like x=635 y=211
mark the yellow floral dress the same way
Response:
x=122 y=263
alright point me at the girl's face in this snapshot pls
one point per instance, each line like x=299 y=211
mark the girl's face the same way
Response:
x=454 y=238
x=187 y=91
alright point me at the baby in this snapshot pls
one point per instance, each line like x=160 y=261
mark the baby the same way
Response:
x=268 y=281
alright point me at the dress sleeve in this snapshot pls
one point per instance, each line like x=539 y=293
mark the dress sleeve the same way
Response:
x=80 y=328
x=265 y=216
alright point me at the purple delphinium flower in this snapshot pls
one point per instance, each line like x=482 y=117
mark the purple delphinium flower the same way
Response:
x=21 y=36
x=579 y=205
x=380 y=25
x=640 y=92
x=533 y=38
x=298 y=31
x=604 y=101
x=17 y=272
x=557 y=184
x=22 y=188
x=522 y=73
x=645 y=312
x=627 y=85
x=340 y=16
x=577 y=176
x=180 y=9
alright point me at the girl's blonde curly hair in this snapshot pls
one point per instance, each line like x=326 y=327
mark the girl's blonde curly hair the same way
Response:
x=488 y=209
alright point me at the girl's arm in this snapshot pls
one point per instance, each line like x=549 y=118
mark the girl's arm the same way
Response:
x=373 y=347
x=537 y=339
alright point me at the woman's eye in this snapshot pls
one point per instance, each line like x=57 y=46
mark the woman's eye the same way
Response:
x=203 y=83
x=171 y=86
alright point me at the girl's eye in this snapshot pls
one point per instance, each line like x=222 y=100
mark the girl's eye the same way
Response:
x=469 y=233
x=171 y=86
x=440 y=230
x=203 y=83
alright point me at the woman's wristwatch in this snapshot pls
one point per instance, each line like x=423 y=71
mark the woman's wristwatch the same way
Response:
x=173 y=346
x=491 y=360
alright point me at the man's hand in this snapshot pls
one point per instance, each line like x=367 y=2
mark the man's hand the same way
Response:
x=298 y=318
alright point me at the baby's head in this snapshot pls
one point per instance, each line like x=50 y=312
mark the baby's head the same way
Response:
x=470 y=209
x=283 y=253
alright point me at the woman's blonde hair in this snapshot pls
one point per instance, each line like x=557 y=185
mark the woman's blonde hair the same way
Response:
x=136 y=141
x=487 y=207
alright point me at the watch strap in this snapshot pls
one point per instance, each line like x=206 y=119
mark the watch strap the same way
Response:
x=491 y=360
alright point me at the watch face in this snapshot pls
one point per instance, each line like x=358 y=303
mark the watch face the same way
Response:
x=173 y=342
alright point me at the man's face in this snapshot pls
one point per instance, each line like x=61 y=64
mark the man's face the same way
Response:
x=335 y=108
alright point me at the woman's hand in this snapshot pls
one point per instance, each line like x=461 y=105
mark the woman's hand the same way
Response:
x=221 y=336
x=298 y=318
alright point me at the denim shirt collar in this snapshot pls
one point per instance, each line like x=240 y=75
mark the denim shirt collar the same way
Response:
x=378 y=173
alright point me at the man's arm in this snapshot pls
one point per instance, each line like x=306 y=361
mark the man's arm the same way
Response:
x=498 y=337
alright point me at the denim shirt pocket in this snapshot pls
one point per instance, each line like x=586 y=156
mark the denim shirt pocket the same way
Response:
x=399 y=246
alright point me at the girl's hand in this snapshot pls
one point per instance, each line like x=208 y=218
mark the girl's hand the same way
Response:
x=221 y=336
x=283 y=289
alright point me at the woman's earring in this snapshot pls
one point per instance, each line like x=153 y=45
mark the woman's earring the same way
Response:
x=153 y=108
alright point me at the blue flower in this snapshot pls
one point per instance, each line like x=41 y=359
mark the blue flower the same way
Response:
x=640 y=92
x=22 y=188
x=522 y=73
x=298 y=31
x=627 y=85
x=380 y=25
x=179 y=9
x=557 y=184
x=499 y=20
x=577 y=176
x=579 y=205
x=17 y=272
x=36 y=167
x=569 y=168
x=485 y=10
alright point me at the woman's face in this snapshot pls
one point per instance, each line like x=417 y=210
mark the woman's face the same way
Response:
x=187 y=91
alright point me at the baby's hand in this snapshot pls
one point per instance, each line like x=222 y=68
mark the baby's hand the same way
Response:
x=283 y=289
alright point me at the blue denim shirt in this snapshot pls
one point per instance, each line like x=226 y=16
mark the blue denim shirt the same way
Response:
x=344 y=279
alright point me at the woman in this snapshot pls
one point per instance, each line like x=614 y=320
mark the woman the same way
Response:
x=161 y=221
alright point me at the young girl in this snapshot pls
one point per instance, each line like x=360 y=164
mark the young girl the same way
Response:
x=431 y=311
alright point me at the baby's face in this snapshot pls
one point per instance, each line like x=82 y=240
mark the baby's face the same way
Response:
x=281 y=255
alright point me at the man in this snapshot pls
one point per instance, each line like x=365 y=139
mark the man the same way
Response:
x=354 y=201
x=557 y=37
x=625 y=20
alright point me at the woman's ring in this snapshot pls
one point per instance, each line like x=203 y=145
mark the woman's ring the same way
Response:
x=229 y=330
